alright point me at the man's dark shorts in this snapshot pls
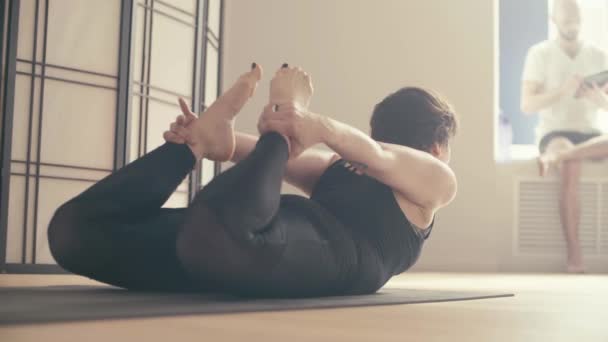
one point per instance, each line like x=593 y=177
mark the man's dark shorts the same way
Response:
x=574 y=137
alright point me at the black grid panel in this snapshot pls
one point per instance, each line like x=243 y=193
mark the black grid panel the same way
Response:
x=145 y=92
x=10 y=25
x=38 y=71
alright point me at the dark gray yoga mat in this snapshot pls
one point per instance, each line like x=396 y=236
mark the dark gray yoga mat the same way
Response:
x=74 y=303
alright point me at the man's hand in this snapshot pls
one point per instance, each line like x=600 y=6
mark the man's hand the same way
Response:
x=596 y=95
x=571 y=87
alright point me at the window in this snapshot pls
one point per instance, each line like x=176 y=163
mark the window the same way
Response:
x=522 y=24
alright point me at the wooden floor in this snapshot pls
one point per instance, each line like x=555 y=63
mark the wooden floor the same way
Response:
x=547 y=308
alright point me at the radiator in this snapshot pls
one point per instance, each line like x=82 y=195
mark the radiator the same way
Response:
x=538 y=231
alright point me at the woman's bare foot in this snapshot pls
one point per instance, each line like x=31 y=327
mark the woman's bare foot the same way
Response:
x=291 y=85
x=211 y=135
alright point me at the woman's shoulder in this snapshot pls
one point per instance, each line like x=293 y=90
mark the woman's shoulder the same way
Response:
x=421 y=218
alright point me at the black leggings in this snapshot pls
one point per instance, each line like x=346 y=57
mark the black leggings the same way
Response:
x=239 y=235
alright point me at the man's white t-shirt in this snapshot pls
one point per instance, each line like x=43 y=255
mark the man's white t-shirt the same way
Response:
x=548 y=63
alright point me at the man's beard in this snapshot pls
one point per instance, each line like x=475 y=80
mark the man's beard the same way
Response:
x=571 y=36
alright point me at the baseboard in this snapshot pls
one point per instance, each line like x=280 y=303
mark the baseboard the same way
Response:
x=32 y=269
x=553 y=264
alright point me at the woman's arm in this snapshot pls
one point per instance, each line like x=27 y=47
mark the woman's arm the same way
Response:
x=302 y=172
x=416 y=175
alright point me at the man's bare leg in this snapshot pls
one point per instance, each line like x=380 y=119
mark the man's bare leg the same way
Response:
x=569 y=199
x=592 y=149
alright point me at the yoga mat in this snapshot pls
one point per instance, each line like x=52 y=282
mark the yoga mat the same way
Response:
x=20 y=305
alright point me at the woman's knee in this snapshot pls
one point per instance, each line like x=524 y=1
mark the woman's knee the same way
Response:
x=65 y=236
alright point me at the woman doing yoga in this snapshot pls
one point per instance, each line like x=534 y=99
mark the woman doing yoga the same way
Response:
x=372 y=201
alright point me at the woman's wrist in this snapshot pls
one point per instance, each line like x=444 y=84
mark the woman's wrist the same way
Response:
x=326 y=128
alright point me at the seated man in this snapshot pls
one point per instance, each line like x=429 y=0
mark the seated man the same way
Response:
x=567 y=107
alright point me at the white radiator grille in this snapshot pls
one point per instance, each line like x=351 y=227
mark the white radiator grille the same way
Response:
x=603 y=231
x=538 y=225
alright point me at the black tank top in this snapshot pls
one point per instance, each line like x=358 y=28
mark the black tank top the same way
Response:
x=370 y=211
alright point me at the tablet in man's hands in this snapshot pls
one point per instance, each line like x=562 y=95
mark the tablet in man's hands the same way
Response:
x=601 y=78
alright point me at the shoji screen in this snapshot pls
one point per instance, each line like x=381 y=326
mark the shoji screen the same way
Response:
x=64 y=120
x=168 y=53
x=95 y=85
x=212 y=68
x=165 y=52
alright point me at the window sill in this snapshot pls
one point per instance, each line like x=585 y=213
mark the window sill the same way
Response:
x=518 y=153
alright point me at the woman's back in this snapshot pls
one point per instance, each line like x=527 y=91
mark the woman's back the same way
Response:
x=369 y=210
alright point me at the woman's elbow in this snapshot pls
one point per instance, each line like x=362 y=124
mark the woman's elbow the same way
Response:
x=439 y=189
x=447 y=188
x=450 y=193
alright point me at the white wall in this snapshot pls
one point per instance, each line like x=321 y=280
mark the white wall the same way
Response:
x=358 y=52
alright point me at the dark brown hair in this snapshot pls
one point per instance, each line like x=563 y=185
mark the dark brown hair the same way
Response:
x=413 y=117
